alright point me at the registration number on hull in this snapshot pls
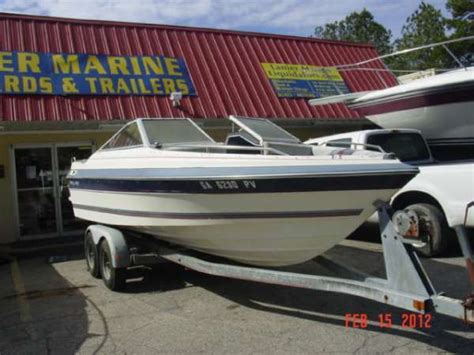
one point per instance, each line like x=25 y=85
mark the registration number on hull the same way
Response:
x=229 y=185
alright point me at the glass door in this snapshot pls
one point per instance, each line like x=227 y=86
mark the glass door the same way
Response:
x=43 y=205
x=35 y=192
x=65 y=154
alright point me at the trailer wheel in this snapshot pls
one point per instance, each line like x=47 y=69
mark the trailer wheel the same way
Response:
x=432 y=227
x=114 y=278
x=92 y=256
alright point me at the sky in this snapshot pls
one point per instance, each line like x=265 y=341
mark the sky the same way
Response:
x=292 y=17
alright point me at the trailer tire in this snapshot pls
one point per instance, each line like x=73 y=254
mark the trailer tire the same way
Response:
x=114 y=278
x=433 y=226
x=92 y=256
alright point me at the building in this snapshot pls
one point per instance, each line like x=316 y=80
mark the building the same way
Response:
x=66 y=85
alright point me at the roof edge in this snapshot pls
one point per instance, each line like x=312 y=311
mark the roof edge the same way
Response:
x=19 y=16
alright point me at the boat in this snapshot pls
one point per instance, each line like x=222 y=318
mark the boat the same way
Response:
x=262 y=198
x=440 y=106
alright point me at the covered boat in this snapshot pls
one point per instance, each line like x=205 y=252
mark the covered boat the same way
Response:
x=440 y=106
x=263 y=198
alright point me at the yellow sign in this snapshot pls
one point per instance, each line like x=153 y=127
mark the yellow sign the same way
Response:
x=300 y=72
x=300 y=80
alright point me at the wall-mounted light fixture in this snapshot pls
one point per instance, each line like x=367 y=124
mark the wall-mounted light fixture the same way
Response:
x=175 y=98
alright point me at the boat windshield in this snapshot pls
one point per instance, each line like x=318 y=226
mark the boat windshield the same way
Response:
x=264 y=130
x=170 y=131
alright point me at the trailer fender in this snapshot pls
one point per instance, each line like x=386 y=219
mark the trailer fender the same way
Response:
x=115 y=239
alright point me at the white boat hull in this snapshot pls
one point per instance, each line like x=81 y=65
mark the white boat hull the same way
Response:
x=441 y=106
x=293 y=228
x=450 y=122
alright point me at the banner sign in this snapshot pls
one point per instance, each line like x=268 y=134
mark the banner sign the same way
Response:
x=87 y=74
x=297 y=80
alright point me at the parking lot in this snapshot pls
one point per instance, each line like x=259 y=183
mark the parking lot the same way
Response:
x=52 y=305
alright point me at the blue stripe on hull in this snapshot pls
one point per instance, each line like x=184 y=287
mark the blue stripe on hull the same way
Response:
x=232 y=186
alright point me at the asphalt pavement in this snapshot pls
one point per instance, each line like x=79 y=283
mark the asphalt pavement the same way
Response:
x=53 y=306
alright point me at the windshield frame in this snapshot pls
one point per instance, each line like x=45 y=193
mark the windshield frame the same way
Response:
x=144 y=135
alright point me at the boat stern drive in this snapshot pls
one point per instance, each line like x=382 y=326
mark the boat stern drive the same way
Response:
x=263 y=198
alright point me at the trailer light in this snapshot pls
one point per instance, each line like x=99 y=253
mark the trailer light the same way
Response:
x=419 y=305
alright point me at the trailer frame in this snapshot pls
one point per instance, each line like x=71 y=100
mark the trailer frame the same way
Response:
x=406 y=286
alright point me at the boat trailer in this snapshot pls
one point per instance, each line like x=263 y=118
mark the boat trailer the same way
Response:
x=406 y=285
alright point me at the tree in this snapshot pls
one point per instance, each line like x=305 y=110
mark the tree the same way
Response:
x=459 y=8
x=426 y=25
x=461 y=28
x=357 y=27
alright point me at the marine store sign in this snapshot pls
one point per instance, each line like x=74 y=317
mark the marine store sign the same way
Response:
x=297 y=80
x=86 y=74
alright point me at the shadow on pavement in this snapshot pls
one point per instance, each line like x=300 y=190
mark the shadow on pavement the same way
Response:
x=41 y=312
x=159 y=278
